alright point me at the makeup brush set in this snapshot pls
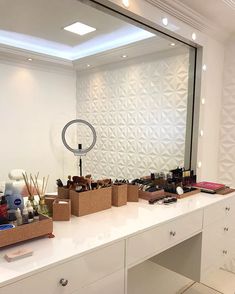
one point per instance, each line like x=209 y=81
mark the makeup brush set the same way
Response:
x=82 y=184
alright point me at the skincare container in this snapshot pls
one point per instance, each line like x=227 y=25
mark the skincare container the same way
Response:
x=36 y=215
x=3 y=207
x=25 y=216
x=12 y=217
x=3 y=211
x=18 y=217
x=30 y=212
x=13 y=196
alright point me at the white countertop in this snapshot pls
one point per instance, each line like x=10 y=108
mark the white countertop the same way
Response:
x=83 y=234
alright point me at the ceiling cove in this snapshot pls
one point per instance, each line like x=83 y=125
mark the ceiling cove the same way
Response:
x=191 y=17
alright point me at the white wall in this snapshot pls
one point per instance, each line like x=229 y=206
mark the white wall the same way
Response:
x=227 y=128
x=210 y=112
x=139 y=109
x=212 y=82
x=35 y=104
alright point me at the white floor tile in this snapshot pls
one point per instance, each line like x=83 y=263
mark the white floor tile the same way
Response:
x=200 y=289
x=222 y=281
x=150 y=278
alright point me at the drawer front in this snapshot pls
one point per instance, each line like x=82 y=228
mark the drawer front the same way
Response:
x=214 y=246
x=222 y=210
x=215 y=213
x=151 y=242
x=229 y=260
x=230 y=211
x=113 y=284
x=80 y=272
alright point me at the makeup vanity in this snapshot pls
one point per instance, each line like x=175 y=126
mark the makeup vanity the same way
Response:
x=92 y=254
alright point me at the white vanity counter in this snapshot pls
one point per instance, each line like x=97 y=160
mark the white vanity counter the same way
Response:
x=86 y=234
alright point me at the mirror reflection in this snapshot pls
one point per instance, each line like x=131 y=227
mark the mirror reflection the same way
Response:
x=133 y=84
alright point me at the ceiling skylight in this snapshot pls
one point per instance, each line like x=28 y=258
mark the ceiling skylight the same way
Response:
x=79 y=28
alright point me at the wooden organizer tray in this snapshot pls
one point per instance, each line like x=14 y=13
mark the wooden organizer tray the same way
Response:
x=83 y=203
x=25 y=232
x=187 y=194
x=150 y=195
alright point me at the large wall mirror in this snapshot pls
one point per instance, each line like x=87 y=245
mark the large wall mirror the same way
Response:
x=134 y=84
x=136 y=87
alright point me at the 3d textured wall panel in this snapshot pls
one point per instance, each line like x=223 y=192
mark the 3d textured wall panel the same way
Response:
x=138 y=109
x=227 y=131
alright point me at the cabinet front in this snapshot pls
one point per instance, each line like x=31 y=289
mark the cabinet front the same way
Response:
x=72 y=275
x=151 y=242
x=112 y=284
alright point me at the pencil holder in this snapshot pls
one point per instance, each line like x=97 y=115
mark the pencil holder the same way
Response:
x=119 y=194
x=61 y=210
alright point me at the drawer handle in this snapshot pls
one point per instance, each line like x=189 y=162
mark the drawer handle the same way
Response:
x=172 y=233
x=226 y=229
x=63 y=282
x=225 y=252
x=227 y=208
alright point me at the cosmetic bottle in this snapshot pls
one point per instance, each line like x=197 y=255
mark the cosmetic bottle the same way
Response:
x=13 y=196
x=18 y=217
x=30 y=212
x=25 y=216
x=3 y=211
x=36 y=215
x=3 y=207
x=12 y=217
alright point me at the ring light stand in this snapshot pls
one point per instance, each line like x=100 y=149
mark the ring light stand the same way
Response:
x=79 y=152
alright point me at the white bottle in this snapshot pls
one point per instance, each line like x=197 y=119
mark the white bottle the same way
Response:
x=18 y=217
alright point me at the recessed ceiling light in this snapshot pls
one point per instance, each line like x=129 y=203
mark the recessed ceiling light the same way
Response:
x=165 y=21
x=29 y=59
x=201 y=133
x=194 y=36
x=88 y=65
x=126 y=3
x=172 y=44
x=79 y=28
x=203 y=101
x=124 y=56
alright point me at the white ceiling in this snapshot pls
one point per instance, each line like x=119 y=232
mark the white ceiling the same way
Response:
x=45 y=19
x=220 y=12
x=36 y=27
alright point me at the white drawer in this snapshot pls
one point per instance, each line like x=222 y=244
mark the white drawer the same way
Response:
x=213 y=246
x=230 y=212
x=112 y=284
x=151 y=242
x=219 y=211
x=79 y=272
